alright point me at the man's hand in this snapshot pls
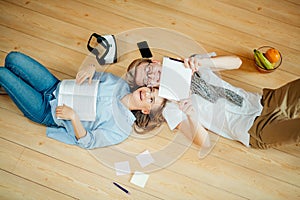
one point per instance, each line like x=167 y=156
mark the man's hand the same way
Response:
x=192 y=63
x=86 y=72
x=65 y=112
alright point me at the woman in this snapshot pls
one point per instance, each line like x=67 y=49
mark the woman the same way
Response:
x=34 y=90
x=259 y=121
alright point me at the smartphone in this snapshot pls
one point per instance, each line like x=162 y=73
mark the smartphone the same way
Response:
x=144 y=49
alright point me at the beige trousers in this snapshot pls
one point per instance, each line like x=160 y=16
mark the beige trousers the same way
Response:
x=279 y=122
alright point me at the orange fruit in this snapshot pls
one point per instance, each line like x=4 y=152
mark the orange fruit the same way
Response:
x=272 y=55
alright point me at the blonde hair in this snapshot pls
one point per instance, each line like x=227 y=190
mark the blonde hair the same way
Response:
x=148 y=122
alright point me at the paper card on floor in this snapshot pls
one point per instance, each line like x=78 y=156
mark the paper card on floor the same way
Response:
x=145 y=158
x=122 y=168
x=139 y=179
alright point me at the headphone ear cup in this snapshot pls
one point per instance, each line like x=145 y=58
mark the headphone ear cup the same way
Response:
x=99 y=39
x=110 y=55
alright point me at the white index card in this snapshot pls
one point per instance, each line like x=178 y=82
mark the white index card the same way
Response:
x=140 y=179
x=122 y=168
x=145 y=158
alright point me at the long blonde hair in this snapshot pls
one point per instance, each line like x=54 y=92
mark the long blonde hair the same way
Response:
x=147 y=122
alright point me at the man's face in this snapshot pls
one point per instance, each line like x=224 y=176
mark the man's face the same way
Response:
x=148 y=74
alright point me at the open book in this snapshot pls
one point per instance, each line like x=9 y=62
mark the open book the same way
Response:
x=82 y=98
x=175 y=80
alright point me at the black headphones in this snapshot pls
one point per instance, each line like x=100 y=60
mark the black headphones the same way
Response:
x=101 y=40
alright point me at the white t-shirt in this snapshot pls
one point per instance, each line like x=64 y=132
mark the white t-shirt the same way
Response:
x=222 y=117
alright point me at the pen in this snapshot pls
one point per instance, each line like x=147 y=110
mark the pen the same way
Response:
x=120 y=187
x=176 y=59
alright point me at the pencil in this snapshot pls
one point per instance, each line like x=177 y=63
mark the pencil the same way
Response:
x=120 y=187
x=176 y=59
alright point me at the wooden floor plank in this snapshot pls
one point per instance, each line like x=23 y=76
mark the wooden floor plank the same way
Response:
x=242 y=20
x=14 y=187
x=88 y=17
x=295 y=2
x=202 y=30
x=47 y=53
x=280 y=165
x=292 y=150
x=205 y=171
x=289 y=59
x=63 y=177
x=33 y=137
x=282 y=10
x=56 y=31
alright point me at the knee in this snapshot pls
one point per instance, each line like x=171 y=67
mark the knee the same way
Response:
x=13 y=57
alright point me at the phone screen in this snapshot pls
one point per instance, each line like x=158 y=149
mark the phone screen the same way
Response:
x=144 y=49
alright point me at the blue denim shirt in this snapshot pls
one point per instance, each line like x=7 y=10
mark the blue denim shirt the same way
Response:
x=113 y=122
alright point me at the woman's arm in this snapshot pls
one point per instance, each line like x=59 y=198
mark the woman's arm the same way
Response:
x=86 y=72
x=67 y=113
x=195 y=132
x=191 y=128
x=90 y=139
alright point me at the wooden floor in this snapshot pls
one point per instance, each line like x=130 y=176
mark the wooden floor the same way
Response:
x=55 y=32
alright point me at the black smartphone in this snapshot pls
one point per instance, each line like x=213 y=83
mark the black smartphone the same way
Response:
x=144 y=49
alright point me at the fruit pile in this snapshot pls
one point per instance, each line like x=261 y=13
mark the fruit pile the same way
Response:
x=268 y=59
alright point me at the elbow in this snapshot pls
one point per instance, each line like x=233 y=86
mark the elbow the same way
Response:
x=203 y=142
x=202 y=139
x=87 y=142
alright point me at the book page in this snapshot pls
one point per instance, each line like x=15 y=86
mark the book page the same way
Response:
x=175 y=80
x=82 y=98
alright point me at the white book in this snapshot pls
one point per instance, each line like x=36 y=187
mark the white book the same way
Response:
x=82 y=98
x=175 y=80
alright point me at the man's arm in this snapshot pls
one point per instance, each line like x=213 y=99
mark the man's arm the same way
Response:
x=224 y=62
x=215 y=63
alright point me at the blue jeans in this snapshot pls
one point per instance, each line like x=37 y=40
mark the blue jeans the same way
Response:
x=30 y=85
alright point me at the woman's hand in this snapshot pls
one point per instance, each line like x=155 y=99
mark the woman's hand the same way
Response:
x=187 y=107
x=65 y=112
x=86 y=72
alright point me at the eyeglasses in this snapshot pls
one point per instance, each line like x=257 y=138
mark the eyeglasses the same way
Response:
x=148 y=71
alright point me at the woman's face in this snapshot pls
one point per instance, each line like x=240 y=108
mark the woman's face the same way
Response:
x=147 y=99
x=148 y=74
